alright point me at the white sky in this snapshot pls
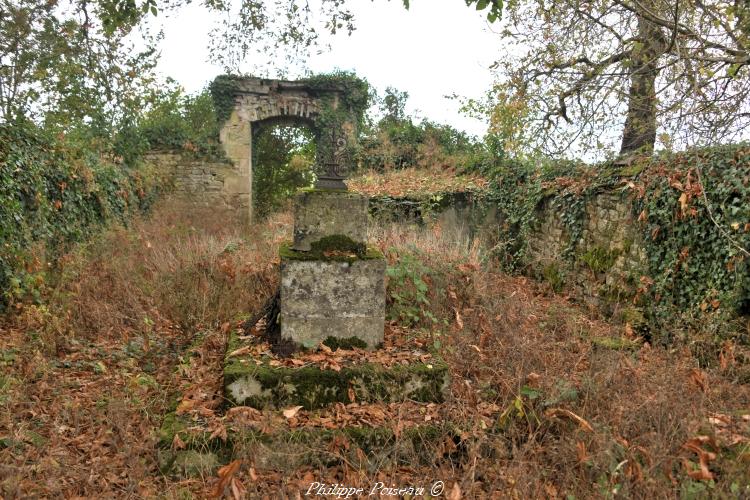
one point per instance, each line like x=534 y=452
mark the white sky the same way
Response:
x=437 y=48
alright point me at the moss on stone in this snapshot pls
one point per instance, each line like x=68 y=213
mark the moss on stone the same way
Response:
x=290 y=449
x=345 y=343
x=287 y=252
x=171 y=425
x=324 y=191
x=263 y=386
x=632 y=170
x=634 y=316
x=600 y=259
x=339 y=243
x=553 y=276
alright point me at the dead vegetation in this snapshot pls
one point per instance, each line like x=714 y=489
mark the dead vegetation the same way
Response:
x=552 y=401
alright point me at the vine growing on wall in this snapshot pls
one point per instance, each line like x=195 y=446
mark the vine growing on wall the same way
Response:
x=691 y=209
x=519 y=189
x=694 y=212
x=54 y=194
x=223 y=90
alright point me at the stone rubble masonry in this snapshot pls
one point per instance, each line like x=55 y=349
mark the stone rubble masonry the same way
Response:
x=260 y=101
x=210 y=183
x=609 y=229
x=321 y=213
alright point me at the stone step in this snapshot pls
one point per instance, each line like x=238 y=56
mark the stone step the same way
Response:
x=254 y=377
x=267 y=443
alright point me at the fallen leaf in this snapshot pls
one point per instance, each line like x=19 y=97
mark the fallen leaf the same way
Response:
x=551 y=490
x=699 y=379
x=220 y=432
x=683 y=202
x=238 y=489
x=557 y=412
x=459 y=321
x=455 y=492
x=239 y=352
x=177 y=443
x=629 y=333
x=704 y=457
x=291 y=412
x=225 y=477
x=325 y=348
x=581 y=451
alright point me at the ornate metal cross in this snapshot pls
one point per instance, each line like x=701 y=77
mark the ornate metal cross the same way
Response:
x=333 y=161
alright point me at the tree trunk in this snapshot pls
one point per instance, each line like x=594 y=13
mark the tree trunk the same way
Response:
x=639 y=134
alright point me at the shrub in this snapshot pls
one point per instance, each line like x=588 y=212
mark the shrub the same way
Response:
x=53 y=194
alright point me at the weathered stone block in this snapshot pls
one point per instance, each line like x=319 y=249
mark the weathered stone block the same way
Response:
x=321 y=213
x=342 y=298
x=263 y=386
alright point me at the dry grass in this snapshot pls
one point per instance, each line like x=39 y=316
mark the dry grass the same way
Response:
x=416 y=182
x=544 y=363
x=87 y=377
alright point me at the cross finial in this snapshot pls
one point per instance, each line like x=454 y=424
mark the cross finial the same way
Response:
x=333 y=174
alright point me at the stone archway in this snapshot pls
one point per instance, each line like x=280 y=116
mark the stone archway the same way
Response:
x=259 y=101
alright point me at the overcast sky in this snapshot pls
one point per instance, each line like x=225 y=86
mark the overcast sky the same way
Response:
x=437 y=48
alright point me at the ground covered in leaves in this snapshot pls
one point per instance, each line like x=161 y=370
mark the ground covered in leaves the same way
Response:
x=550 y=399
x=416 y=182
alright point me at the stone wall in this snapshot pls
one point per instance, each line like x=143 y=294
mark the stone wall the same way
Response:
x=204 y=182
x=603 y=268
x=259 y=101
x=462 y=215
x=605 y=265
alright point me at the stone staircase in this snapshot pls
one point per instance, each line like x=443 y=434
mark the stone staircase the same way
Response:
x=316 y=409
x=348 y=390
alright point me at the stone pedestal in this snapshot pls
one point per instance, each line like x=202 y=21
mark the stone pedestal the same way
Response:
x=321 y=213
x=331 y=284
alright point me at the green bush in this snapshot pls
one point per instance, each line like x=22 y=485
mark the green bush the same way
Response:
x=408 y=291
x=53 y=194
x=180 y=122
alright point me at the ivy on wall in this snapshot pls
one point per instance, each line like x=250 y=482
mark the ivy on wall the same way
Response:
x=691 y=208
x=223 y=89
x=344 y=98
x=694 y=212
x=53 y=194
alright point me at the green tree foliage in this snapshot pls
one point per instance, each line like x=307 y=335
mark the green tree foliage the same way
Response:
x=70 y=66
x=182 y=122
x=283 y=159
x=672 y=72
x=395 y=141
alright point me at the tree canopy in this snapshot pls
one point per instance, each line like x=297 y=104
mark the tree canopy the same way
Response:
x=623 y=75
x=667 y=72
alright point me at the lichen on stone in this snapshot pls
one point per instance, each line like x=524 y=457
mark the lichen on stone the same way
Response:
x=315 y=387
